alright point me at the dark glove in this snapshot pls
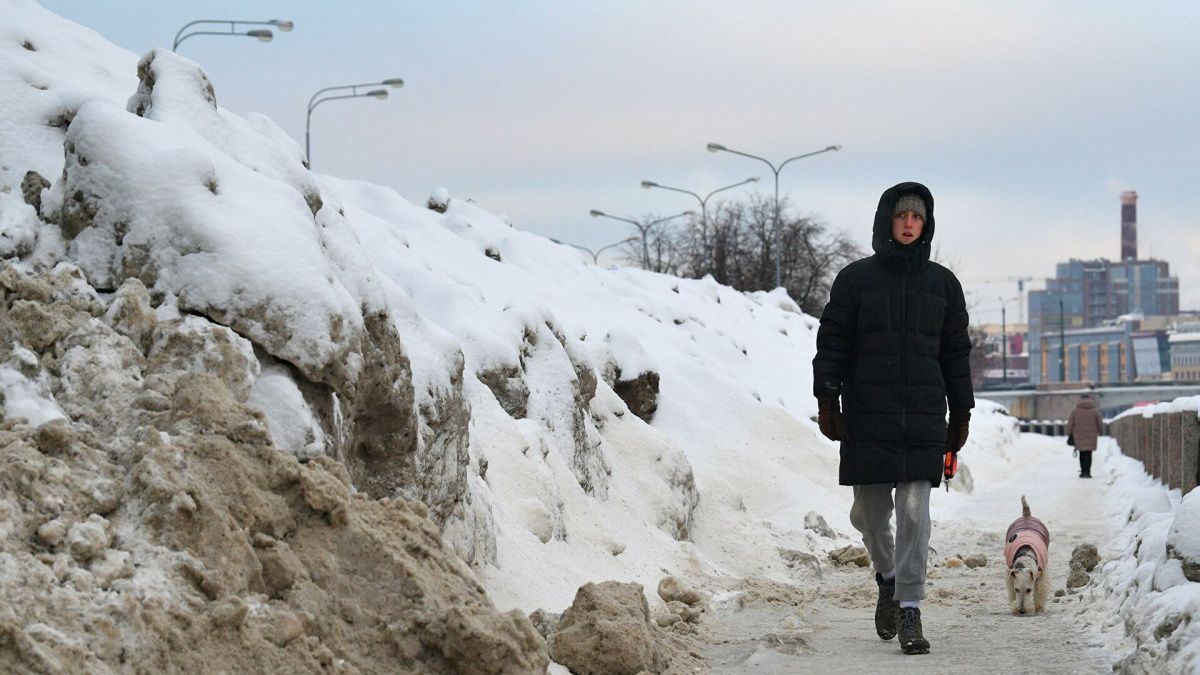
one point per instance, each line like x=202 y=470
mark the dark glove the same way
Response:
x=830 y=420
x=957 y=429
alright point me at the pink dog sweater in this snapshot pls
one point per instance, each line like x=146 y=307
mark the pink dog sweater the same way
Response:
x=1031 y=532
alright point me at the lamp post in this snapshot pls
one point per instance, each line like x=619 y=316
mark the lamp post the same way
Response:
x=315 y=101
x=1062 y=343
x=1004 y=337
x=643 y=229
x=717 y=147
x=595 y=254
x=703 y=200
x=264 y=35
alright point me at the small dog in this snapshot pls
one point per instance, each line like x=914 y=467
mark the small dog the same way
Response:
x=1027 y=552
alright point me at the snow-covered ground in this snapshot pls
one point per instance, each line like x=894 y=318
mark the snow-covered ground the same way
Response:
x=1136 y=614
x=966 y=614
x=451 y=358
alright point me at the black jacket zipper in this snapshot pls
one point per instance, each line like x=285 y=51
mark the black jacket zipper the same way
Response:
x=904 y=372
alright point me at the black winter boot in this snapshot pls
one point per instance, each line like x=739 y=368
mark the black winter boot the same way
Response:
x=885 y=607
x=912 y=641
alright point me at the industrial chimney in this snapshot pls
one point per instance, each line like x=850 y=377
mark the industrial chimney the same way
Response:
x=1129 y=226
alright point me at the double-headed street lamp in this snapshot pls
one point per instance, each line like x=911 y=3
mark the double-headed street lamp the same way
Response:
x=643 y=229
x=315 y=101
x=263 y=34
x=717 y=147
x=595 y=254
x=703 y=200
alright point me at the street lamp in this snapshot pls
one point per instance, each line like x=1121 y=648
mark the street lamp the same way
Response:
x=717 y=147
x=643 y=229
x=263 y=35
x=1062 y=342
x=595 y=254
x=703 y=200
x=1004 y=337
x=313 y=102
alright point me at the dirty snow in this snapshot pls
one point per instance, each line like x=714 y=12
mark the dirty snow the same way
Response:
x=715 y=489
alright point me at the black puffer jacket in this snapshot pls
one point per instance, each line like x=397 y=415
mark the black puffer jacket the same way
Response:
x=893 y=344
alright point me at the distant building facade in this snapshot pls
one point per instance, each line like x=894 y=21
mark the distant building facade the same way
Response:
x=1089 y=294
x=1132 y=348
x=1101 y=354
x=1185 y=356
x=1103 y=321
x=996 y=358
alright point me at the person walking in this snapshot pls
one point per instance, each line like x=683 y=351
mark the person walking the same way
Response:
x=892 y=355
x=1085 y=424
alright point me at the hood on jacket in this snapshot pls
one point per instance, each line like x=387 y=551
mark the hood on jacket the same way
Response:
x=881 y=233
x=1086 y=403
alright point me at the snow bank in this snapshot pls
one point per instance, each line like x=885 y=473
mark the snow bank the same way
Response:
x=1153 y=588
x=154 y=523
x=1183 y=540
x=437 y=354
x=1179 y=404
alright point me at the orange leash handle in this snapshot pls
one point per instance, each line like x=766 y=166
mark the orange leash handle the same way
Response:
x=949 y=468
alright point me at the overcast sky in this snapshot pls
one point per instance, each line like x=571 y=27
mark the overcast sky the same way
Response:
x=1026 y=119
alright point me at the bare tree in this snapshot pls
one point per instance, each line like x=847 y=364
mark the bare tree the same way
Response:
x=654 y=246
x=737 y=247
x=978 y=358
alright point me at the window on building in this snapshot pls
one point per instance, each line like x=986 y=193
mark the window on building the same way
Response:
x=1146 y=357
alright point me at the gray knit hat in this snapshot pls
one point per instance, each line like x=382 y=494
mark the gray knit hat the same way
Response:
x=910 y=203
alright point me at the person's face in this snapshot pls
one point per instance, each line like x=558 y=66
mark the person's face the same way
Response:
x=907 y=227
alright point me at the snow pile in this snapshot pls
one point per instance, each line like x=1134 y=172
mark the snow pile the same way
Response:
x=987 y=455
x=1154 y=586
x=217 y=216
x=445 y=357
x=151 y=522
x=1180 y=404
x=559 y=423
x=1183 y=541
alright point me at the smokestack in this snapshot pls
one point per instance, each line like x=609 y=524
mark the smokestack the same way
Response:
x=1128 y=225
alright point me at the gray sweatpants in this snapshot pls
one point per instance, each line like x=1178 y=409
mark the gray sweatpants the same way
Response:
x=908 y=553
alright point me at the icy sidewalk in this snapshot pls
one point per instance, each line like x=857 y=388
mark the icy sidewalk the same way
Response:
x=966 y=613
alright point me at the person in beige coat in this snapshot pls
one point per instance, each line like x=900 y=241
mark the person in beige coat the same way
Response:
x=1085 y=424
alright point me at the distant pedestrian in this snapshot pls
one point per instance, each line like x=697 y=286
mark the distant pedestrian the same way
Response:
x=893 y=347
x=1085 y=425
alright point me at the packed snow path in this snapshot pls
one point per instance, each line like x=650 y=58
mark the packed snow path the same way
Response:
x=826 y=625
